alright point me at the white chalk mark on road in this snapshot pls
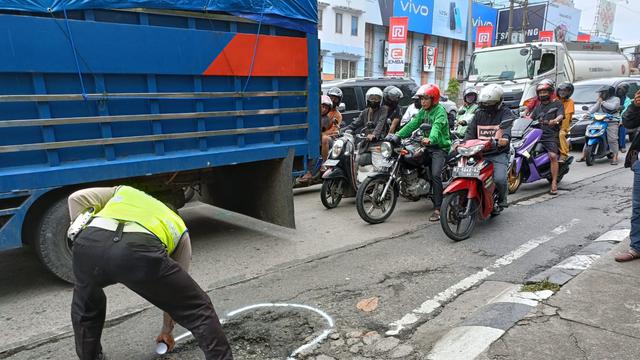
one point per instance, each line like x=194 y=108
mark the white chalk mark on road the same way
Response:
x=311 y=344
x=434 y=303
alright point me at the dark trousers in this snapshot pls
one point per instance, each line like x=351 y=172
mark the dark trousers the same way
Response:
x=634 y=235
x=140 y=262
x=438 y=158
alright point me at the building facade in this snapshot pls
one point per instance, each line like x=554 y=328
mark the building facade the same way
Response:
x=341 y=29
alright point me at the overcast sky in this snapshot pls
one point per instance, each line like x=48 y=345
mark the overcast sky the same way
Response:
x=625 y=27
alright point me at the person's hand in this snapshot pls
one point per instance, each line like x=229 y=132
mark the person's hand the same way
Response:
x=334 y=131
x=426 y=141
x=599 y=101
x=166 y=338
x=503 y=142
x=636 y=99
x=371 y=137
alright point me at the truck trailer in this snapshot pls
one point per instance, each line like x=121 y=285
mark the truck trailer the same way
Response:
x=217 y=96
x=519 y=68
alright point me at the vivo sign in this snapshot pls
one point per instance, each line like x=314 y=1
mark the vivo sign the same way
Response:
x=416 y=8
x=419 y=12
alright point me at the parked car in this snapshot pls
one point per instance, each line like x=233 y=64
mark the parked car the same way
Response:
x=354 y=90
x=585 y=94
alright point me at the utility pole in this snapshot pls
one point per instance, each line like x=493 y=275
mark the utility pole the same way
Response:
x=525 y=20
x=510 y=31
x=467 y=58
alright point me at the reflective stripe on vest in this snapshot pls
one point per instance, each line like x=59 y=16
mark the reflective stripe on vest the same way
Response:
x=129 y=204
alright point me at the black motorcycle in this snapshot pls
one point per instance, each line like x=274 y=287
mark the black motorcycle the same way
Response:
x=403 y=171
x=340 y=178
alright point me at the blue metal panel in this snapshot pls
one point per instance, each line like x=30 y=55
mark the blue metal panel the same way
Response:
x=11 y=232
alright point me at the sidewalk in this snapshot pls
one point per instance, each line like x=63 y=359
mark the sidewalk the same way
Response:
x=596 y=315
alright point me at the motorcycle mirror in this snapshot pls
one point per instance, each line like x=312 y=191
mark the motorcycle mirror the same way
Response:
x=425 y=127
x=462 y=112
x=342 y=107
x=585 y=108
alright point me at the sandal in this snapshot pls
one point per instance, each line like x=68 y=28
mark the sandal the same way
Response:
x=614 y=162
x=627 y=256
x=435 y=216
x=553 y=192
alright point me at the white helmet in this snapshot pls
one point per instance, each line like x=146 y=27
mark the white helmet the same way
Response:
x=374 y=91
x=491 y=95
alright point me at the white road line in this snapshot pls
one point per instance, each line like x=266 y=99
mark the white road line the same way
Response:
x=614 y=235
x=430 y=305
x=578 y=262
x=464 y=342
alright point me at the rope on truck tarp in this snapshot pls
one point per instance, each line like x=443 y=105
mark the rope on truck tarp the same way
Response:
x=75 y=53
x=255 y=46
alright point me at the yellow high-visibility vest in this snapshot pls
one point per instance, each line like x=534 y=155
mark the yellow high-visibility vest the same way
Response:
x=130 y=204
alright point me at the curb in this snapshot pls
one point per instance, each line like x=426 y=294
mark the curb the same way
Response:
x=488 y=323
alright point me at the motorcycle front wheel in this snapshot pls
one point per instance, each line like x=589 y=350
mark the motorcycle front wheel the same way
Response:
x=372 y=208
x=589 y=155
x=331 y=192
x=514 y=179
x=455 y=223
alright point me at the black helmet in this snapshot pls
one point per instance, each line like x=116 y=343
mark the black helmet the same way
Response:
x=392 y=94
x=565 y=86
x=606 y=91
x=470 y=91
x=622 y=90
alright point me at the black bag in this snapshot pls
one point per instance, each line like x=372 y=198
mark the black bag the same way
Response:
x=632 y=154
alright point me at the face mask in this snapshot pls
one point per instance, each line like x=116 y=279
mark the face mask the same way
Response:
x=373 y=104
x=544 y=97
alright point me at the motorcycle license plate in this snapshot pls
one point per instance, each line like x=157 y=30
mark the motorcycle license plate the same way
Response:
x=466 y=171
x=331 y=162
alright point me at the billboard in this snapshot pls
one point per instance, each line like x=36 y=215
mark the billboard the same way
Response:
x=419 y=12
x=484 y=36
x=483 y=15
x=450 y=19
x=564 y=21
x=535 y=23
x=429 y=58
x=397 y=46
x=606 y=15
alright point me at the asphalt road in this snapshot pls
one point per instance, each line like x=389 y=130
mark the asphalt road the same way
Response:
x=331 y=261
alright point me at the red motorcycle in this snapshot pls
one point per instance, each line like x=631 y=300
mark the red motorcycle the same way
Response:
x=472 y=194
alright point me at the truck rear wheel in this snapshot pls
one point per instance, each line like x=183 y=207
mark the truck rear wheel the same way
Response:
x=51 y=243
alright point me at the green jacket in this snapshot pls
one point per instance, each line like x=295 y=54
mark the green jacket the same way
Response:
x=437 y=117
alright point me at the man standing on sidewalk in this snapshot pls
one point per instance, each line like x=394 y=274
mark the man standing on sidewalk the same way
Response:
x=136 y=240
x=630 y=120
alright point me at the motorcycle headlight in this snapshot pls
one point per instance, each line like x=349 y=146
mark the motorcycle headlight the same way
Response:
x=336 y=150
x=517 y=143
x=386 y=149
x=468 y=151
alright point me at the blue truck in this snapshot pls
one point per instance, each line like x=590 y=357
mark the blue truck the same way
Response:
x=217 y=96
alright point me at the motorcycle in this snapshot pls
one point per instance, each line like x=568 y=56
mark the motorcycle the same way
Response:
x=596 y=143
x=401 y=172
x=472 y=195
x=531 y=161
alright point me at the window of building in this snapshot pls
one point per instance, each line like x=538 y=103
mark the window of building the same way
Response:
x=354 y=26
x=320 y=13
x=338 y=23
x=345 y=69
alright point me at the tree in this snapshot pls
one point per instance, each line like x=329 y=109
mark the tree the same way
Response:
x=453 y=89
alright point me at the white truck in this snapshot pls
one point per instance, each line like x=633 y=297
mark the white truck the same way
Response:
x=519 y=68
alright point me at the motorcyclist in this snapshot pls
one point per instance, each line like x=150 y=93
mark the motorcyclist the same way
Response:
x=608 y=103
x=329 y=126
x=531 y=104
x=549 y=113
x=435 y=114
x=492 y=120
x=373 y=119
x=390 y=99
x=621 y=93
x=564 y=92
x=335 y=94
x=412 y=110
x=469 y=107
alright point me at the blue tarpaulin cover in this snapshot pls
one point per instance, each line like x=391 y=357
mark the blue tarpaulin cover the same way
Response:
x=297 y=14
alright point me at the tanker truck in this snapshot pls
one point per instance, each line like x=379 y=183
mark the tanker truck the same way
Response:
x=519 y=68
